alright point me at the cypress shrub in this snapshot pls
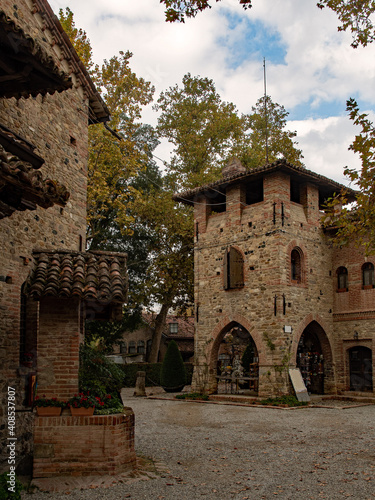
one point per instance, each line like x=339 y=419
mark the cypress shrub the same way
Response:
x=173 y=373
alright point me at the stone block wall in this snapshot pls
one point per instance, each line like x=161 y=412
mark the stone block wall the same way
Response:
x=83 y=446
x=58 y=126
x=265 y=233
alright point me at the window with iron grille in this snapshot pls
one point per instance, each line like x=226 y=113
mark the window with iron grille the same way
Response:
x=368 y=275
x=233 y=269
x=342 y=278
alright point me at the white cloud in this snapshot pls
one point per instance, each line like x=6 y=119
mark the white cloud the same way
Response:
x=319 y=73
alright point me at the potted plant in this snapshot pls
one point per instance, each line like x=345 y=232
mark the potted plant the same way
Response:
x=84 y=404
x=48 y=407
x=173 y=373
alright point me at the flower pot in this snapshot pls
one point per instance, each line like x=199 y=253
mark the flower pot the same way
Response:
x=82 y=412
x=48 y=411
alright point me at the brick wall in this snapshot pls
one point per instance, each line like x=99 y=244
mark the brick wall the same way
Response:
x=78 y=446
x=265 y=233
x=58 y=126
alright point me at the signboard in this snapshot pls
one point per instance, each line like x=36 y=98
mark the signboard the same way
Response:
x=298 y=384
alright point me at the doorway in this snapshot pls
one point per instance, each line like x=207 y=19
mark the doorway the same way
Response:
x=360 y=363
x=310 y=361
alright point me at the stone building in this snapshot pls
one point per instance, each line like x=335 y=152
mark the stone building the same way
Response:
x=48 y=283
x=266 y=271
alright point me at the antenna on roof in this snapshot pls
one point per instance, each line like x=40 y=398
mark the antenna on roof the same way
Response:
x=265 y=106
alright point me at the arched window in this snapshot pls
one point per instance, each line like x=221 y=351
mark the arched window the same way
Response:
x=132 y=347
x=368 y=275
x=123 y=347
x=342 y=279
x=233 y=269
x=141 y=347
x=296 y=265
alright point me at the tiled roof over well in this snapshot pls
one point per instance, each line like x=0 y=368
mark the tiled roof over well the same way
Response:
x=92 y=276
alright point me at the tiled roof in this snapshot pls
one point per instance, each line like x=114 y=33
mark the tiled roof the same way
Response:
x=36 y=70
x=92 y=276
x=23 y=187
x=185 y=327
x=188 y=197
x=98 y=111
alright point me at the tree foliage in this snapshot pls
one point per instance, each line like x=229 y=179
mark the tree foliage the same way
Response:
x=265 y=138
x=357 y=224
x=354 y=15
x=173 y=373
x=78 y=37
x=201 y=127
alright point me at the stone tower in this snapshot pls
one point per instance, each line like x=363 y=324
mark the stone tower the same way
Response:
x=265 y=267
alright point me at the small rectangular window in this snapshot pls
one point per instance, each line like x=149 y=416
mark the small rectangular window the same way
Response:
x=173 y=327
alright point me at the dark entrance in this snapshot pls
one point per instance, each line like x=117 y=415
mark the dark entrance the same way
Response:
x=310 y=362
x=360 y=362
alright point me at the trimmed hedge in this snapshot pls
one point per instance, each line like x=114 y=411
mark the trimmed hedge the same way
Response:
x=152 y=370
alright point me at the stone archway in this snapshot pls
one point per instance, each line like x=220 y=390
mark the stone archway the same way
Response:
x=227 y=362
x=314 y=359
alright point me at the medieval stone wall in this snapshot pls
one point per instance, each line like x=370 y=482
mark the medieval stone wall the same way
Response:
x=265 y=238
x=57 y=125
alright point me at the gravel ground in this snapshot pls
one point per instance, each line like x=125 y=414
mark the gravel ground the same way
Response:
x=216 y=451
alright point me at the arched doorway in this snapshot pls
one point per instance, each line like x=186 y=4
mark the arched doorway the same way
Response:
x=237 y=361
x=314 y=357
x=360 y=365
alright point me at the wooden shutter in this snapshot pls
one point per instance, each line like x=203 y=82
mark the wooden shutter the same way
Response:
x=236 y=278
x=226 y=270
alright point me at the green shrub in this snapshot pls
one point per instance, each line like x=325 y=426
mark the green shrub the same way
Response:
x=98 y=374
x=194 y=396
x=173 y=373
x=152 y=373
x=5 y=494
x=283 y=400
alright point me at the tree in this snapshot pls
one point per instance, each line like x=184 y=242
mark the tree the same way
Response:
x=114 y=163
x=353 y=14
x=357 y=224
x=169 y=277
x=202 y=128
x=265 y=139
x=206 y=132
x=173 y=372
x=78 y=37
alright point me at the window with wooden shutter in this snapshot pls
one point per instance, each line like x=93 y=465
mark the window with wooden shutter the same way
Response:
x=233 y=269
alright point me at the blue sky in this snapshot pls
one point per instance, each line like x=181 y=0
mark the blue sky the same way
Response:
x=311 y=68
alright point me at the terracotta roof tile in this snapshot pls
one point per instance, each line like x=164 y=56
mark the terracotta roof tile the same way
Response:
x=23 y=187
x=92 y=276
x=44 y=77
x=233 y=176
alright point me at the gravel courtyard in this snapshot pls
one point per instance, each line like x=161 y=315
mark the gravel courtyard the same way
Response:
x=217 y=451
